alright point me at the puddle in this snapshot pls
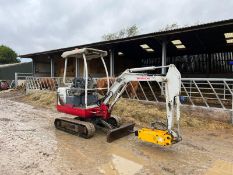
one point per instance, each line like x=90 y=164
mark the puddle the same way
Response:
x=125 y=166
x=121 y=166
x=122 y=162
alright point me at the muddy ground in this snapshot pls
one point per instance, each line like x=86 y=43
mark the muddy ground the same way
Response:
x=29 y=144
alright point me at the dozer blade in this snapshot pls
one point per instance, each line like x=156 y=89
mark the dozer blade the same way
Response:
x=120 y=132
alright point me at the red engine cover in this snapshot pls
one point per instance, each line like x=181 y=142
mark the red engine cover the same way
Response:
x=99 y=111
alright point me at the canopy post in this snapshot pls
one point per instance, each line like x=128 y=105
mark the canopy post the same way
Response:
x=51 y=66
x=106 y=70
x=164 y=56
x=86 y=77
x=65 y=68
x=33 y=67
x=111 y=51
x=76 y=67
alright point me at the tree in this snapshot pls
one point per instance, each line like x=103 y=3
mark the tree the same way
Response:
x=169 y=27
x=7 y=55
x=176 y=26
x=123 y=33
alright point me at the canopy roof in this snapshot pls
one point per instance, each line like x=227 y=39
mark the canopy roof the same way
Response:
x=204 y=38
x=89 y=53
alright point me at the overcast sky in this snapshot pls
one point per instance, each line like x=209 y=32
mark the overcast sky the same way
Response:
x=36 y=25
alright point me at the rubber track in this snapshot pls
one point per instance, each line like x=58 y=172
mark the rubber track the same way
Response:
x=87 y=125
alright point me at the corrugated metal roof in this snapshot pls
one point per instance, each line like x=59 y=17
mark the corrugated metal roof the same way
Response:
x=139 y=37
x=13 y=64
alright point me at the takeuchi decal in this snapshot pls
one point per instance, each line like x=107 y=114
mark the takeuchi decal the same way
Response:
x=143 y=78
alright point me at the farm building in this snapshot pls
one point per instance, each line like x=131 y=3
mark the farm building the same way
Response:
x=198 y=51
x=7 y=71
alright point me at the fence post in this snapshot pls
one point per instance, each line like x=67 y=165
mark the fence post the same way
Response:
x=190 y=90
x=224 y=92
x=231 y=108
x=16 y=79
x=26 y=85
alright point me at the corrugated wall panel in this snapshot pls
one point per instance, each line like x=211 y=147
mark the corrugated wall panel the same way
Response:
x=8 y=72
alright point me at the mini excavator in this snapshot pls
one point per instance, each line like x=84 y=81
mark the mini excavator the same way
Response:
x=81 y=99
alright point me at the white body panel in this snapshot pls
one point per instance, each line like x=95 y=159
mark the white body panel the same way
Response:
x=61 y=91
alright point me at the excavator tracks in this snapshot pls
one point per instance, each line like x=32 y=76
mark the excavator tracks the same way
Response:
x=74 y=126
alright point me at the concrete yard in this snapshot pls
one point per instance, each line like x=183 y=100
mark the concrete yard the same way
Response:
x=29 y=144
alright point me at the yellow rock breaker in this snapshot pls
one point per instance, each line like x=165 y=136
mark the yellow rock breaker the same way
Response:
x=80 y=98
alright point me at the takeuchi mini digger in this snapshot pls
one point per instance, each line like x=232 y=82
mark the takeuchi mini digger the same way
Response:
x=81 y=99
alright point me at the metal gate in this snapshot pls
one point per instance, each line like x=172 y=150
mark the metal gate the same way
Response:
x=21 y=77
x=205 y=92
